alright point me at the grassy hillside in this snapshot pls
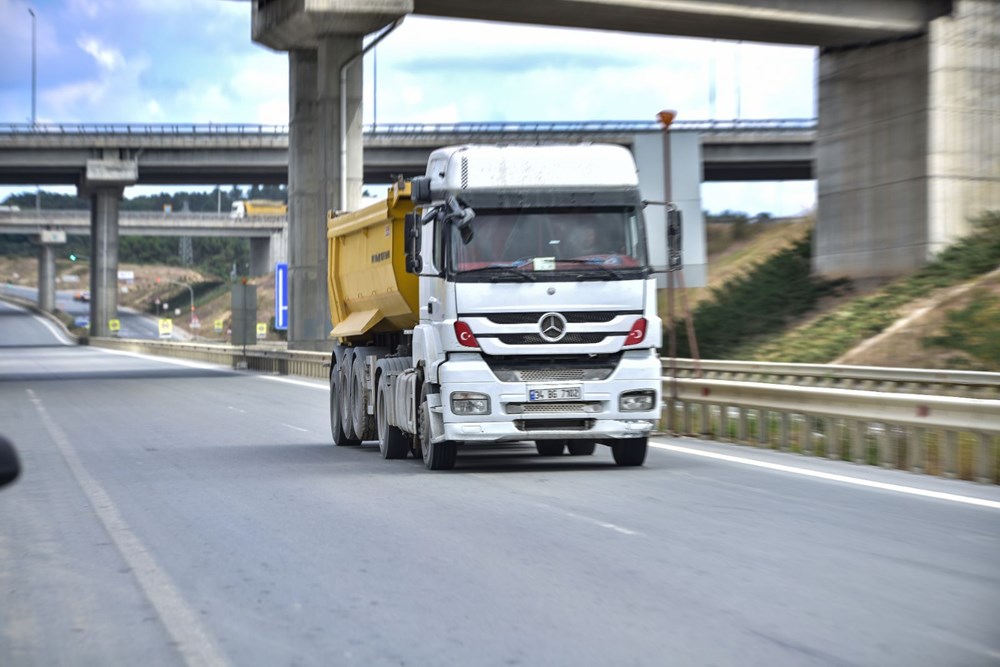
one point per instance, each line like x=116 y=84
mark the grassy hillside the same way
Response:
x=958 y=288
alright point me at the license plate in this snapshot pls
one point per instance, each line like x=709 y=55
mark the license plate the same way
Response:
x=559 y=393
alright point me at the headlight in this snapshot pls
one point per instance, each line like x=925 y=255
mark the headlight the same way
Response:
x=637 y=401
x=470 y=403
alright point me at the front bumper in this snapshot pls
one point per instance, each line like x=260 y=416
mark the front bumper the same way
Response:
x=595 y=416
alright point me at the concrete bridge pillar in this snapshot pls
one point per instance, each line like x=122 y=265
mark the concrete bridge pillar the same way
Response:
x=260 y=256
x=103 y=258
x=104 y=182
x=46 y=278
x=320 y=36
x=908 y=148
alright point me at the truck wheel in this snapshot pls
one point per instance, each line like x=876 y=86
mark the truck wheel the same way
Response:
x=550 y=447
x=392 y=442
x=340 y=439
x=581 y=447
x=630 y=451
x=362 y=422
x=437 y=455
x=345 y=381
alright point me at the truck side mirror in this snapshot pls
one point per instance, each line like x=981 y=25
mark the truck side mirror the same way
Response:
x=674 y=232
x=411 y=233
x=420 y=190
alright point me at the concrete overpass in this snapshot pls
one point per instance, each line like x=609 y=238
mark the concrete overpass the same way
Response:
x=743 y=150
x=268 y=235
x=906 y=144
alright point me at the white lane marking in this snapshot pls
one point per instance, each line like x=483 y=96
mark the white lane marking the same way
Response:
x=857 y=481
x=180 y=620
x=300 y=383
x=304 y=430
x=236 y=409
x=58 y=333
x=596 y=522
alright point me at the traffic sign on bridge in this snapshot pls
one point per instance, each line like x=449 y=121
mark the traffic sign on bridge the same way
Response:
x=281 y=296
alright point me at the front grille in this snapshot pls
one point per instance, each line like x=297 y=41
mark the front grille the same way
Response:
x=529 y=425
x=574 y=317
x=552 y=375
x=554 y=368
x=542 y=408
x=568 y=339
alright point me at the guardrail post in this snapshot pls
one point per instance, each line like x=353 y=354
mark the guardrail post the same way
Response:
x=743 y=433
x=783 y=443
x=949 y=465
x=915 y=449
x=686 y=418
x=807 y=434
x=985 y=466
x=883 y=439
x=834 y=438
x=763 y=427
x=859 y=442
x=705 y=425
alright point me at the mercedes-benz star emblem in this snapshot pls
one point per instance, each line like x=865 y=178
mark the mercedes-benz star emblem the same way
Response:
x=552 y=327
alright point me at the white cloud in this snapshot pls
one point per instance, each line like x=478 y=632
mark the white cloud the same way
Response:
x=107 y=57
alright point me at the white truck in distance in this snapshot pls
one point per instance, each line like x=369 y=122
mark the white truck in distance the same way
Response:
x=505 y=296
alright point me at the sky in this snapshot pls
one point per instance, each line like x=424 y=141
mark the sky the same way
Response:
x=192 y=61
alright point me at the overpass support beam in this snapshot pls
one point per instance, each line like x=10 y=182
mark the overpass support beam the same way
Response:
x=46 y=278
x=103 y=182
x=320 y=37
x=907 y=146
x=103 y=258
x=260 y=256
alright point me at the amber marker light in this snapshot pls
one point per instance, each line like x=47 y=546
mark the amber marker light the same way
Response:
x=666 y=117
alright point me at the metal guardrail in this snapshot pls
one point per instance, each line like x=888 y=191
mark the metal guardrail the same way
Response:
x=945 y=435
x=246 y=129
x=970 y=384
x=169 y=129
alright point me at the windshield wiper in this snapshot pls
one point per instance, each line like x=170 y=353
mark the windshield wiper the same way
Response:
x=607 y=271
x=501 y=269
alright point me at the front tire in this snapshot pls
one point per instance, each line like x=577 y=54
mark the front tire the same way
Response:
x=581 y=447
x=630 y=451
x=437 y=455
x=550 y=447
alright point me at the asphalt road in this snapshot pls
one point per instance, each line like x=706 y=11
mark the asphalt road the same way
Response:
x=133 y=324
x=174 y=513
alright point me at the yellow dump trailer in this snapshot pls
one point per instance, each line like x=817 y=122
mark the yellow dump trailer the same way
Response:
x=368 y=286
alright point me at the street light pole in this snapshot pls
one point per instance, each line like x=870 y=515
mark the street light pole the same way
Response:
x=34 y=87
x=33 y=67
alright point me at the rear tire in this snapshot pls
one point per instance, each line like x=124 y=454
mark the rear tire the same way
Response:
x=392 y=442
x=630 y=451
x=340 y=439
x=550 y=447
x=581 y=447
x=436 y=455
x=345 y=381
x=362 y=422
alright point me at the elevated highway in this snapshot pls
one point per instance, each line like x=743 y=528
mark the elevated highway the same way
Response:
x=141 y=223
x=778 y=149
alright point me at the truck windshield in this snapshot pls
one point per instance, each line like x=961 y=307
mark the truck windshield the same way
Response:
x=552 y=239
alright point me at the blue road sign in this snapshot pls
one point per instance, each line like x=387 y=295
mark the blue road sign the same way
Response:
x=281 y=296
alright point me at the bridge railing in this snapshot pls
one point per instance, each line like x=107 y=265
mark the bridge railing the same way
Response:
x=395 y=129
x=953 y=436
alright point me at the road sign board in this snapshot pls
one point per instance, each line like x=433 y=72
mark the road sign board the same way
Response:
x=114 y=325
x=195 y=322
x=52 y=236
x=261 y=330
x=218 y=326
x=166 y=328
x=281 y=296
